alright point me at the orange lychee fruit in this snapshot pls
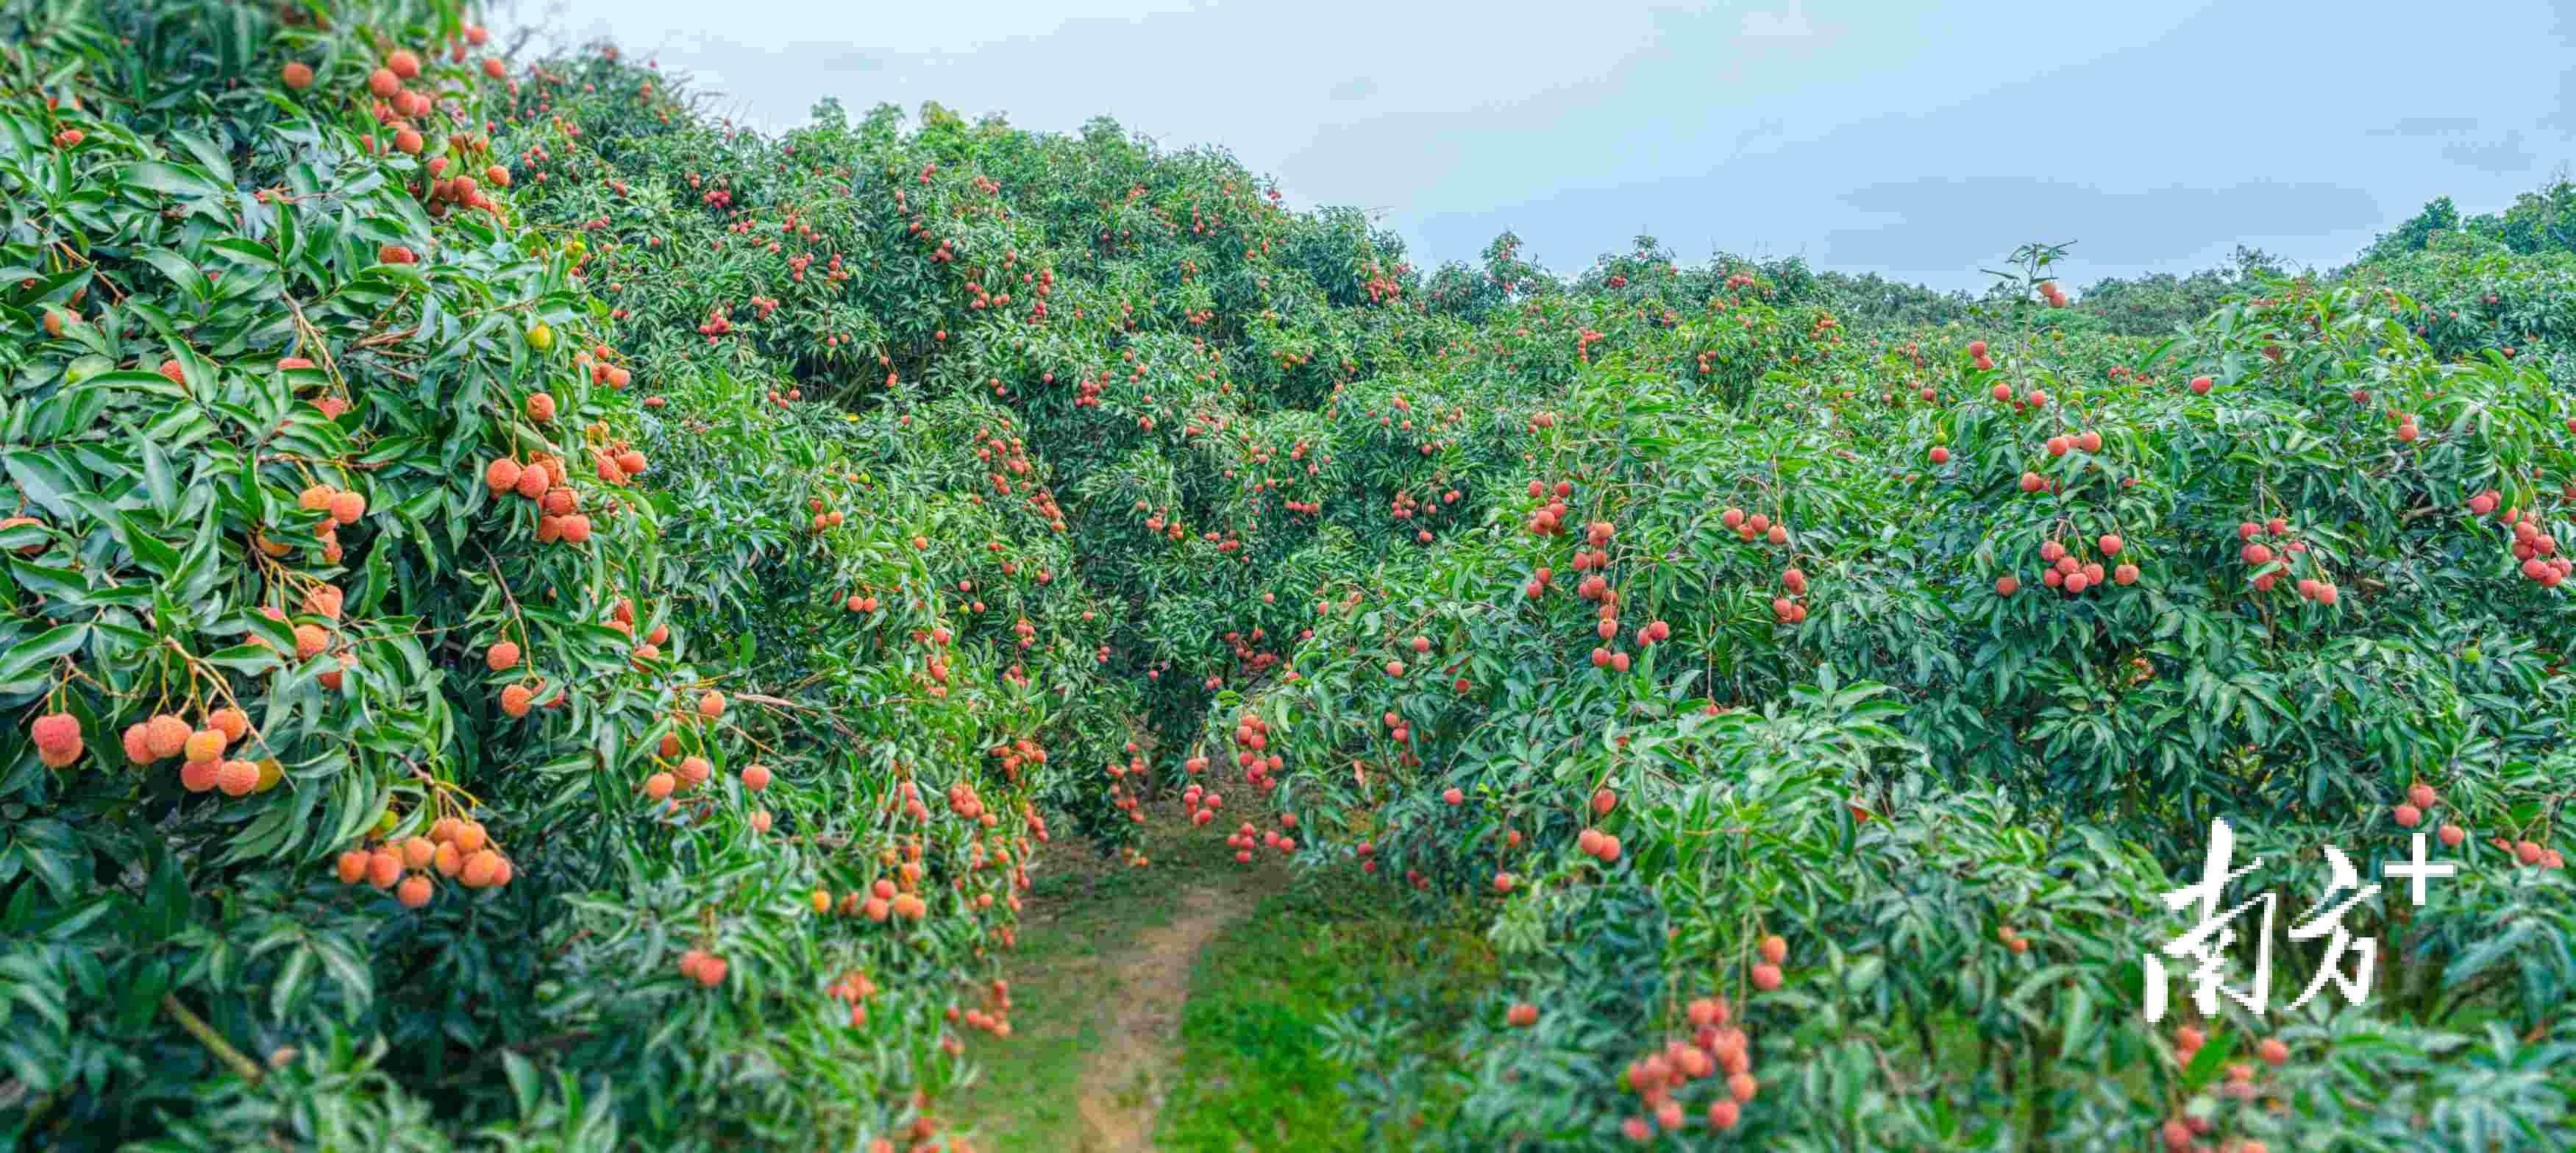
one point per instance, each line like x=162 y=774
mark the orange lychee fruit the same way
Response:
x=383 y=868
x=167 y=736
x=347 y=507
x=204 y=745
x=237 y=778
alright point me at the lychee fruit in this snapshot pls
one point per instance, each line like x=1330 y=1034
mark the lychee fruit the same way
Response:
x=237 y=777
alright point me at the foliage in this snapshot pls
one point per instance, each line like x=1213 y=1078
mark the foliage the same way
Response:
x=2539 y=221
x=268 y=340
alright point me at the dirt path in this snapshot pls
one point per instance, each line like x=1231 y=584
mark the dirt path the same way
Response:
x=1107 y=957
x=1125 y=1080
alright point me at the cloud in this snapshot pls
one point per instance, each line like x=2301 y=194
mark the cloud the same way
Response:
x=1936 y=223
x=1355 y=88
x=1934 y=229
x=2499 y=157
x=1768 y=128
x=1789 y=25
x=2563 y=117
x=1754 y=126
x=851 y=61
x=2428 y=126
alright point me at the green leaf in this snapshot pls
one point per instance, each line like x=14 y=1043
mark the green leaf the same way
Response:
x=292 y=982
x=172 y=179
x=159 y=480
x=30 y=655
x=153 y=554
x=61 y=584
x=45 y=480
x=2212 y=1056
x=207 y=155
x=255 y=660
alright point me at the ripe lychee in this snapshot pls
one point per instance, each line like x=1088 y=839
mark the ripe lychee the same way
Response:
x=56 y=734
x=237 y=777
x=204 y=745
x=347 y=507
x=167 y=736
x=383 y=868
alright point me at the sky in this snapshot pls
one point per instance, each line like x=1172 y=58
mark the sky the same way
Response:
x=1921 y=141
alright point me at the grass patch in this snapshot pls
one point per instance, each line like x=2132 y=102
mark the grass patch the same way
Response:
x=1082 y=910
x=1259 y=1071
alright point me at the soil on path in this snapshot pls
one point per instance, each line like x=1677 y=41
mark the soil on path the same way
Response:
x=1098 y=985
x=1125 y=1080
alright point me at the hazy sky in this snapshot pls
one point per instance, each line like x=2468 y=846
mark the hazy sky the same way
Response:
x=1914 y=139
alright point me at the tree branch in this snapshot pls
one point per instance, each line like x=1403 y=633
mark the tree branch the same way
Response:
x=213 y=1041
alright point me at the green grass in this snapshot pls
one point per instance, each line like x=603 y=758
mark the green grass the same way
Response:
x=1250 y=1069
x=1063 y=991
x=1258 y=1076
